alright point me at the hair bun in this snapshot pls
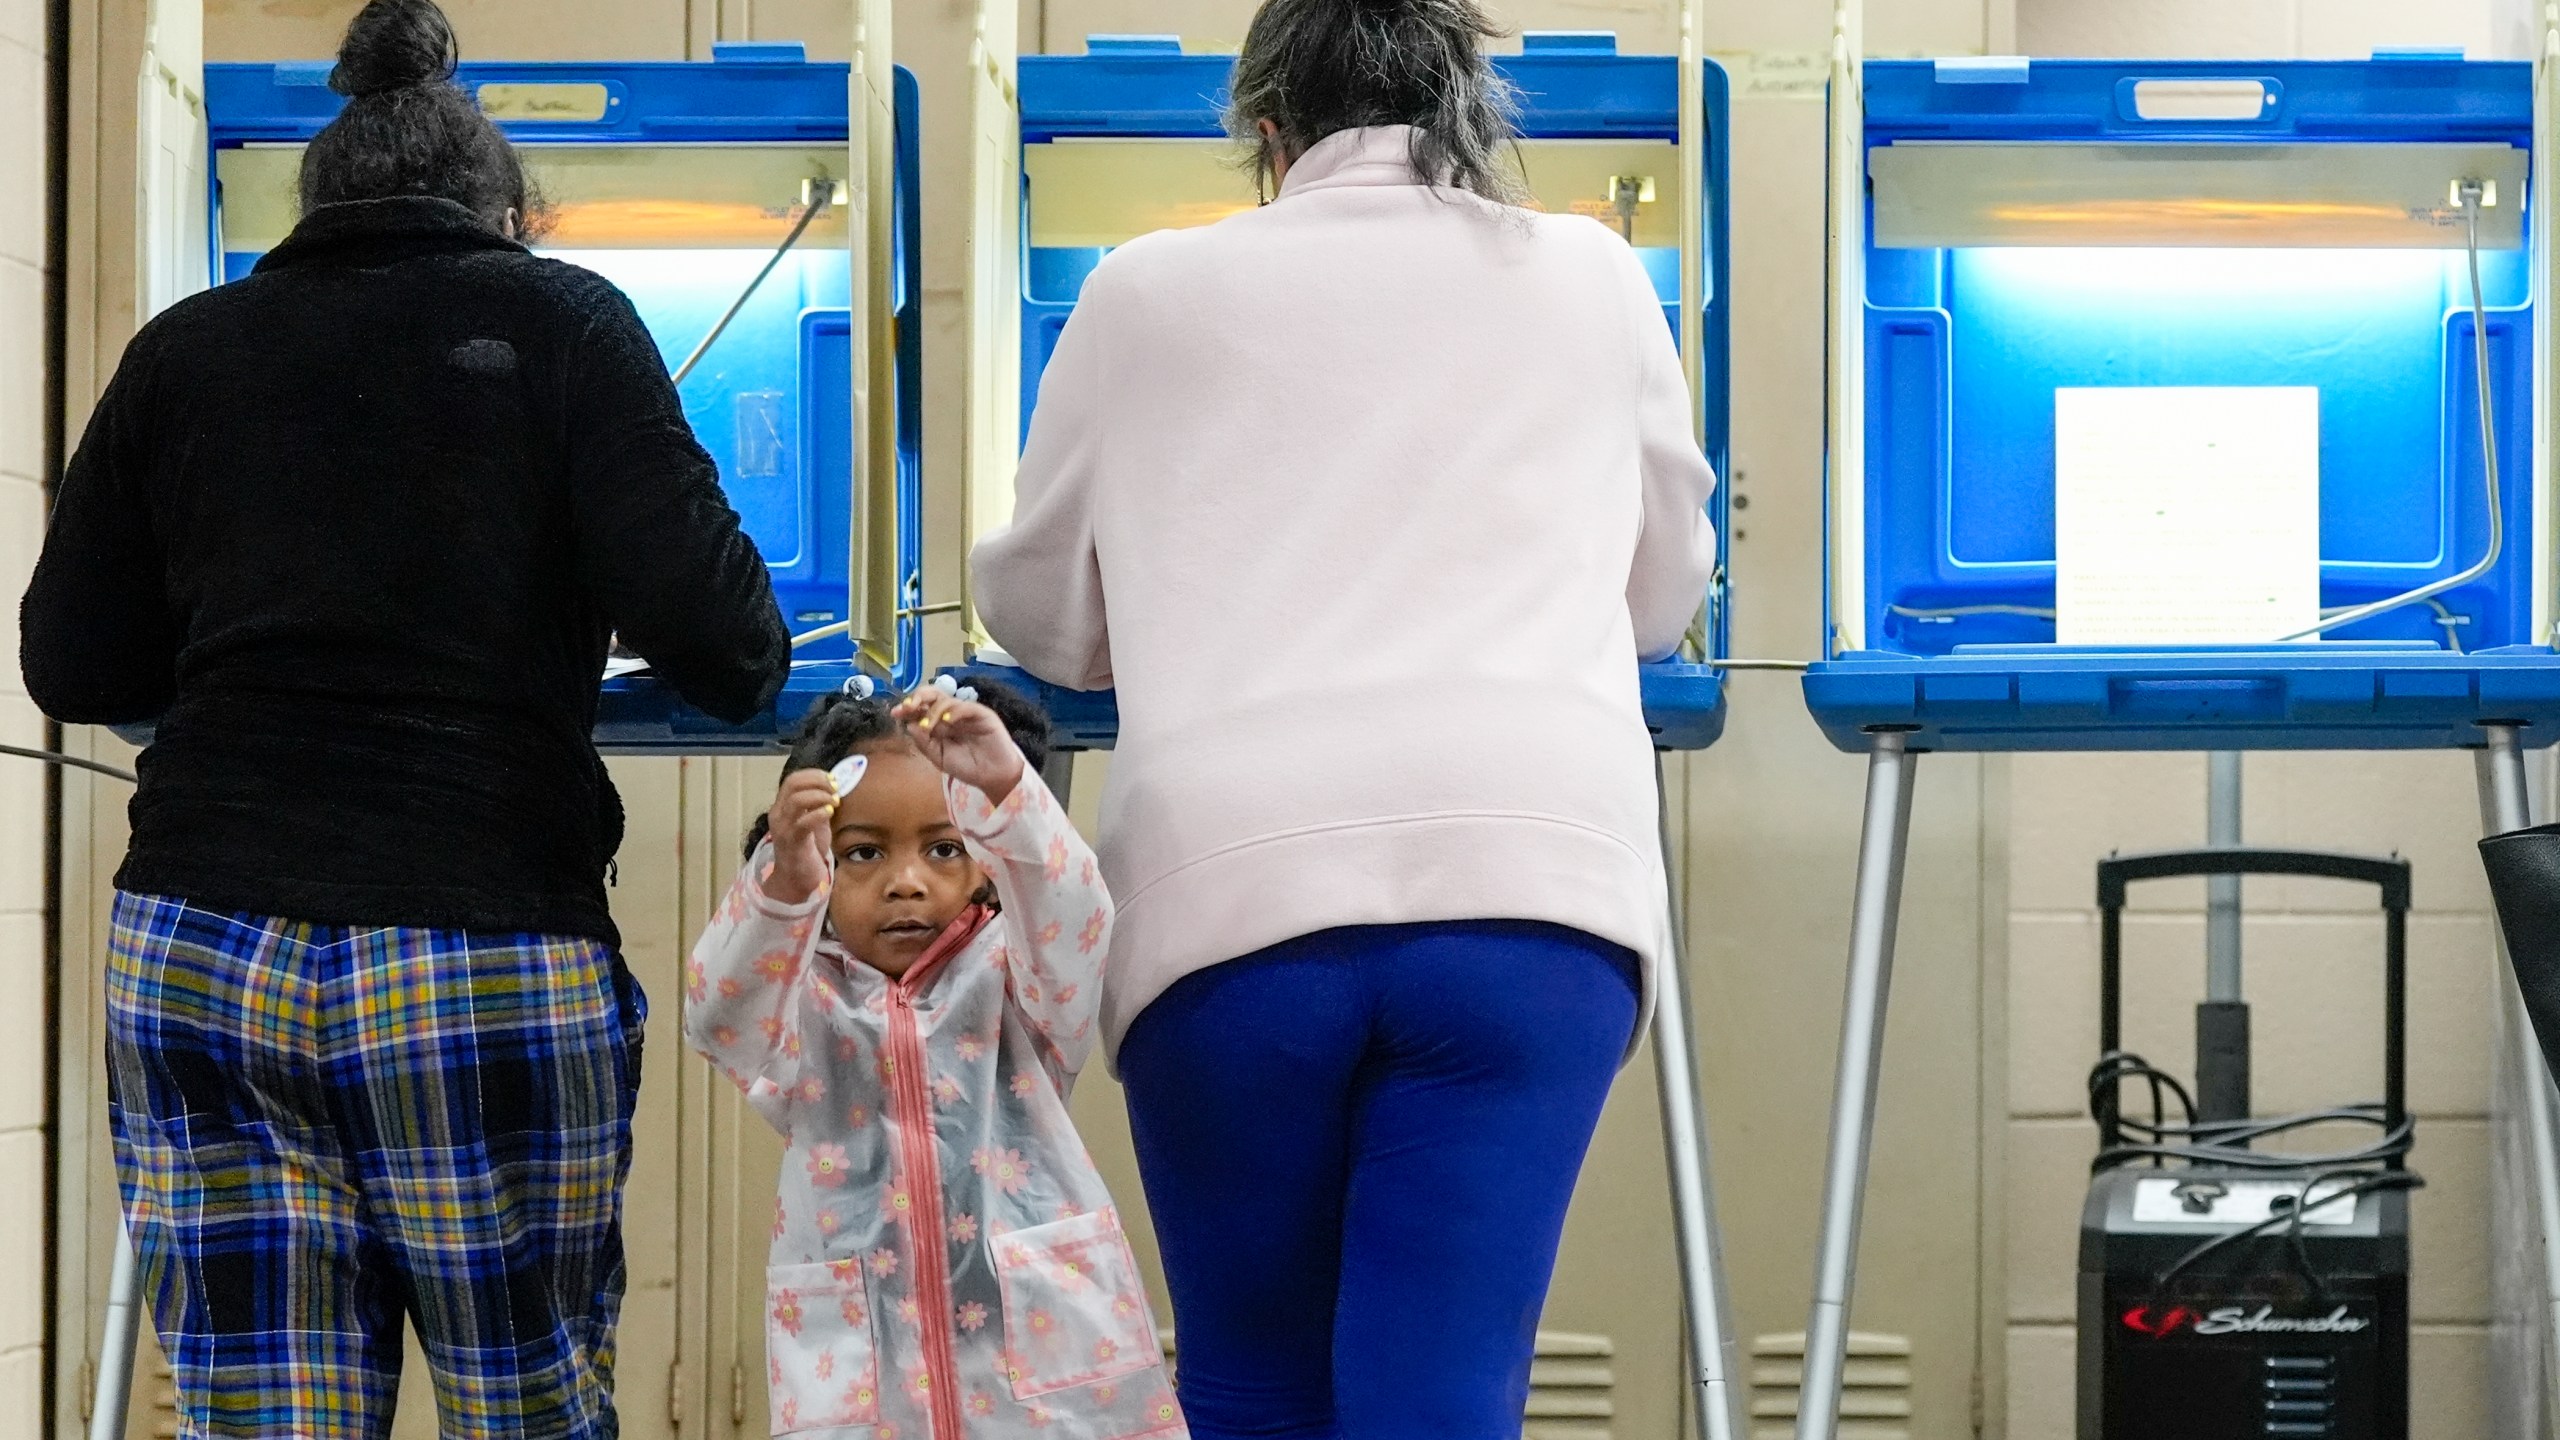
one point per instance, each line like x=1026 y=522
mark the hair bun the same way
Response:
x=394 y=45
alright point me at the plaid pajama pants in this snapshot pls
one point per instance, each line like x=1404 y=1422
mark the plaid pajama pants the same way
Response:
x=321 y=1129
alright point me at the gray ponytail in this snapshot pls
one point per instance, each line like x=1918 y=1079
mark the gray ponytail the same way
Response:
x=1315 y=67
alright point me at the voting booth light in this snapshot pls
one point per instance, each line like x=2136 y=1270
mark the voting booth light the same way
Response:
x=731 y=201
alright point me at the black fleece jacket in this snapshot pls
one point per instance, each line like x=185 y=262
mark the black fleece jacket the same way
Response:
x=356 y=531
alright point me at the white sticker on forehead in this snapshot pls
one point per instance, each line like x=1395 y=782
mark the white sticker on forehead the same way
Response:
x=848 y=773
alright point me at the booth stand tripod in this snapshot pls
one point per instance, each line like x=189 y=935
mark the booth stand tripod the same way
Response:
x=1882 y=852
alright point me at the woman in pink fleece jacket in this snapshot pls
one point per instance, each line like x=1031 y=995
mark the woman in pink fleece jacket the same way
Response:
x=1367 y=502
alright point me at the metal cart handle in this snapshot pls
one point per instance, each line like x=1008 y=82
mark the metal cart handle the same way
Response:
x=2117 y=871
x=2390 y=876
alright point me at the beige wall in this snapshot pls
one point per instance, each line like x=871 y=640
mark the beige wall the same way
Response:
x=2313 y=952
x=22 y=785
x=1983 y=1150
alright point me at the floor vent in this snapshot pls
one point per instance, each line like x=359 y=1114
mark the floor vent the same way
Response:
x=1875 y=1391
x=164 y=1402
x=1570 y=1386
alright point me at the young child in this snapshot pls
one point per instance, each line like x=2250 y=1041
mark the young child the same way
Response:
x=904 y=980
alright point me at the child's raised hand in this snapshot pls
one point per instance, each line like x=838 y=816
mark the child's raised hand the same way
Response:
x=965 y=740
x=802 y=823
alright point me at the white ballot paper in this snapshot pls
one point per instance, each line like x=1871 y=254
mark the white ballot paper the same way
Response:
x=2186 y=515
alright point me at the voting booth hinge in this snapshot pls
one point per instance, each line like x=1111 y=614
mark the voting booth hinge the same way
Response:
x=173 y=197
x=1693 y=212
x=993 y=433
x=1845 y=296
x=2539 y=196
x=1693 y=248
x=872 y=577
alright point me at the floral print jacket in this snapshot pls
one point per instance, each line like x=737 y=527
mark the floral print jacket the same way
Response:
x=946 y=1263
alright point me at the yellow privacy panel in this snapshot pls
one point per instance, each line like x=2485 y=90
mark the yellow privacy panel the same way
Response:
x=602 y=197
x=1092 y=194
x=873 y=584
x=260 y=201
x=1095 y=194
x=1949 y=194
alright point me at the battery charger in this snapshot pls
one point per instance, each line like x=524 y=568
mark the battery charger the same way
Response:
x=2229 y=1291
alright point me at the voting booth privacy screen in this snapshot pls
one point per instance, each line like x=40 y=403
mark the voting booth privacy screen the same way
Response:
x=680 y=183
x=1129 y=138
x=2164 y=362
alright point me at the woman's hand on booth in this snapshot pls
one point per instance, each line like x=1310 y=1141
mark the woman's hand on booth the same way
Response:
x=965 y=740
x=802 y=823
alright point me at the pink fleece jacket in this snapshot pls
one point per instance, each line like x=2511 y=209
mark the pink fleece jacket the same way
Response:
x=946 y=1262
x=1367 y=502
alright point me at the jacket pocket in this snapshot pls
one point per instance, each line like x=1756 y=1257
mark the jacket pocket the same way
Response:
x=1074 y=1312
x=819 y=1359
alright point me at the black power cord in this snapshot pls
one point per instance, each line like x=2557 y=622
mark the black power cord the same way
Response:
x=74 y=762
x=2224 y=1145
x=2360 y=1182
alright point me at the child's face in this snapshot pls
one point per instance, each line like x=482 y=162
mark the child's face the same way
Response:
x=902 y=874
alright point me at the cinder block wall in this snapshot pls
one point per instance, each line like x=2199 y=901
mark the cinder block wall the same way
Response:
x=2312 y=951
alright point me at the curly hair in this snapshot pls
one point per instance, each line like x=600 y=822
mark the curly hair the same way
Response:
x=407 y=129
x=847 y=725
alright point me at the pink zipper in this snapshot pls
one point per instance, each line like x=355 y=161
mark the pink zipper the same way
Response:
x=919 y=1156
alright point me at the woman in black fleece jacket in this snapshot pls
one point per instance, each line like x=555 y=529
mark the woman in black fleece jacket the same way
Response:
x=356 y=532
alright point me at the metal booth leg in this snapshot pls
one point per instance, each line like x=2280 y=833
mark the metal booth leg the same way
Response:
x=2504 y=805
x=1883 y=845
x=2525 y=1172
x=115 y=1351
x=1712 y=1351
x=1059 y=774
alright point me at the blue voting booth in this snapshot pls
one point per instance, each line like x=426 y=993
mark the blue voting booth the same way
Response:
x=2003 y=230
x=681 y=182
x=2032 y=227
x=1128 y=137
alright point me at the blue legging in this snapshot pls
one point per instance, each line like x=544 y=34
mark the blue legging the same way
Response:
x=1359 y=1147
